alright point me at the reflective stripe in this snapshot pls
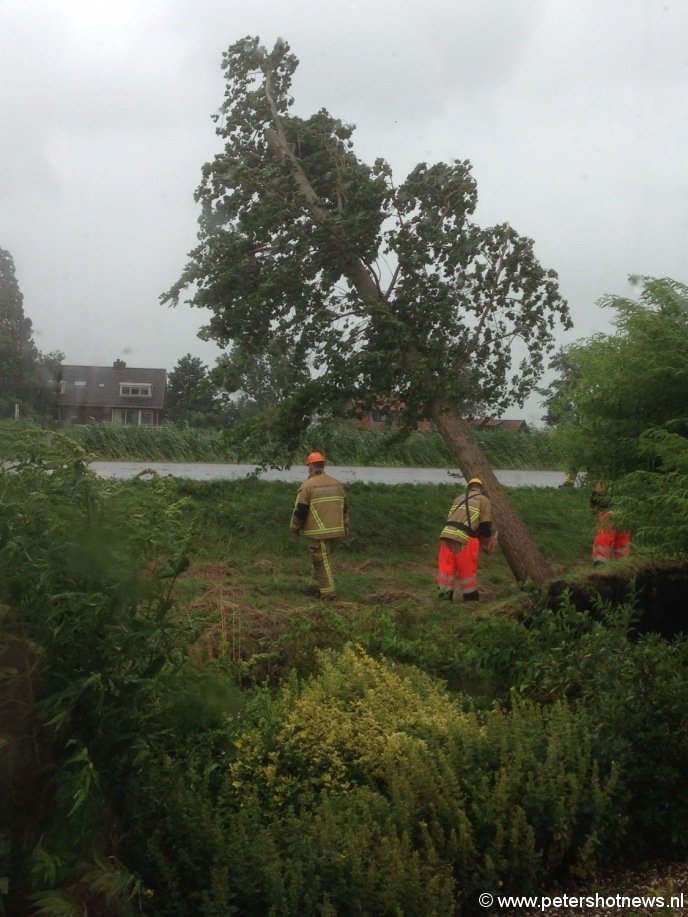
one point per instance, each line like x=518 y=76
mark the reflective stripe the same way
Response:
x=470 y=584
x=325 y=554
x=321 y=528
x=451 y=531
x=444 y=581
x=322 y=573
x=454 y=534
x=600 y=553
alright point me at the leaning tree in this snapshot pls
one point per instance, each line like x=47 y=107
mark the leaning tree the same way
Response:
x=382 y=292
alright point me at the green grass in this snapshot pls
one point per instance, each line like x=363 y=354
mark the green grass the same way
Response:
x=388 y=521
x=244 y=588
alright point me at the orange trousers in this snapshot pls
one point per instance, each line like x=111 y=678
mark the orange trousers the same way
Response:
x=458 y=560
x=609 y=544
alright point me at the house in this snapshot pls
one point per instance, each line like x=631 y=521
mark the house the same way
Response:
x=117 y=394
x=382 y=417
x=490 y=423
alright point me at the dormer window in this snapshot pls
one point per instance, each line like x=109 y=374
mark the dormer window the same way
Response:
x=135 y=389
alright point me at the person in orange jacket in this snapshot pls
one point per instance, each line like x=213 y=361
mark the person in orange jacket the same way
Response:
x=321 y=512
x=468 y=529
x=609 y=543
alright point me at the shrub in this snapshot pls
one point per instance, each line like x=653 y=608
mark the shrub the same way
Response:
x=85 y=575
x=368 y=789
x=636 y=689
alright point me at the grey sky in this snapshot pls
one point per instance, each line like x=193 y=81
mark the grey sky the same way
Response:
x=574 y=114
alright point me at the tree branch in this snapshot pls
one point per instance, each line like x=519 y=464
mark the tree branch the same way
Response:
x=354 y=268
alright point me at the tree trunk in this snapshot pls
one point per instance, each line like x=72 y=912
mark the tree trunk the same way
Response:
x=522 y=554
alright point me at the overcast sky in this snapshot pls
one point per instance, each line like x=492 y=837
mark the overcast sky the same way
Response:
x=574 y=114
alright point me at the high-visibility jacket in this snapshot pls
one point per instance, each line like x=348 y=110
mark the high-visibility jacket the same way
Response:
x=321 y=509
x=470 y=516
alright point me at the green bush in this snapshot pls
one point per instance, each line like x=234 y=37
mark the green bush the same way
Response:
x=636 y=690
x=85 y=575
x=367 y=789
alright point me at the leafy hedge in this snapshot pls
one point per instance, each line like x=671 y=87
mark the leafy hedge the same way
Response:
x=342 y=443
x=366 y=789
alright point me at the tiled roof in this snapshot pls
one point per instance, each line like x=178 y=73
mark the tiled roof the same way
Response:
x=492 y=423
x=100 y=385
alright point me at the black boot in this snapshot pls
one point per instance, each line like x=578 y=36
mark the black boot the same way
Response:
x=472 y=596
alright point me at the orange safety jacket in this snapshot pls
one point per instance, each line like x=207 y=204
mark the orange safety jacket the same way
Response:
x=321 y=509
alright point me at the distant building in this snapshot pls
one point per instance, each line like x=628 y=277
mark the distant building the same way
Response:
x=118 y=394
x=382 y=417
x=490 y=423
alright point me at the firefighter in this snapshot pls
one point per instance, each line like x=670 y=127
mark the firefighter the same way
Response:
x=467 y=529
x=609 y=543
x=321 y=513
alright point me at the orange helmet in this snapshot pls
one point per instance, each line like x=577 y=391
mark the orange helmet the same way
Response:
x=315 y=457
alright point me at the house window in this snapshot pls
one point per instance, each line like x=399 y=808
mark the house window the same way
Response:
x=131 y=417
x=378 y=416
x=79 y=384
x=135 y=389
x=144 y=418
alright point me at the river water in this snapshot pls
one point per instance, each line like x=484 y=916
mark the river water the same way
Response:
x=348 y=474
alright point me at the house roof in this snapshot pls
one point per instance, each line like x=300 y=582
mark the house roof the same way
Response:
x=492 y=423
x=100 y=385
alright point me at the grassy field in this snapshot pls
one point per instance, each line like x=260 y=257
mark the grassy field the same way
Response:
x=244 y=589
